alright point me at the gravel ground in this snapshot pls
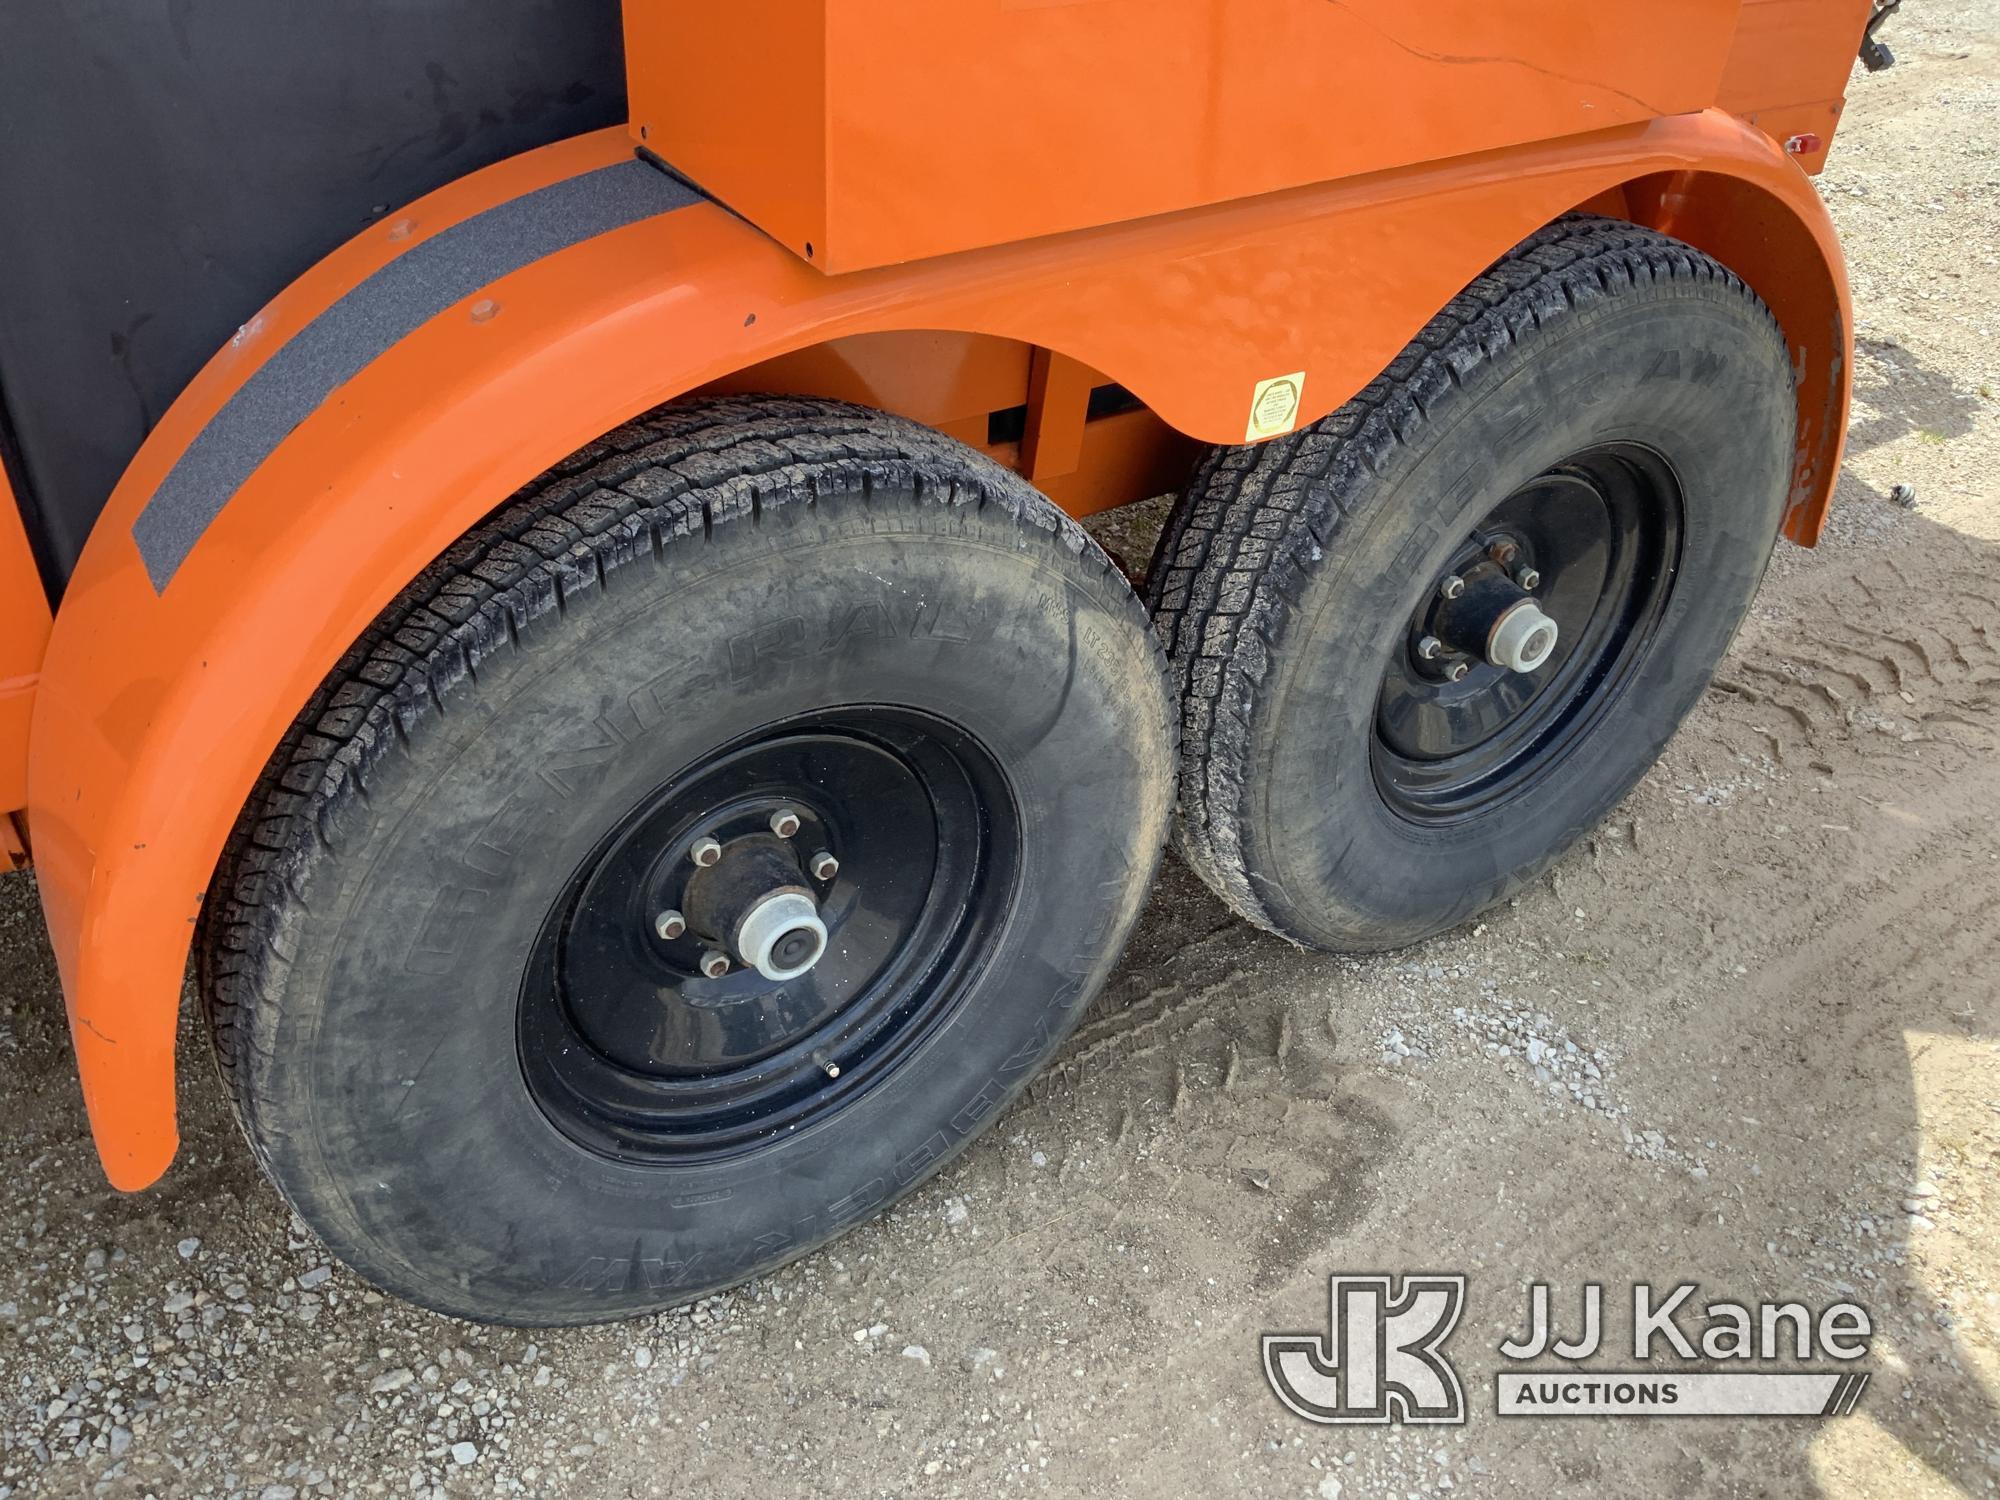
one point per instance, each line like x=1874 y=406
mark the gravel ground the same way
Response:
x=1745 y=1035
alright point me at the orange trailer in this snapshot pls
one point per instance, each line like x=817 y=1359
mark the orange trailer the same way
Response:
x=601 y=668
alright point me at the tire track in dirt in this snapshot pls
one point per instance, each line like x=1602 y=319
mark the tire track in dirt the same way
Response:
x=1885 y=688
x=1854 y=685
x=1863 y=681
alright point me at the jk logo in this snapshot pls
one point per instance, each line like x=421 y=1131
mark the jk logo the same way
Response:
x=1379 y=1361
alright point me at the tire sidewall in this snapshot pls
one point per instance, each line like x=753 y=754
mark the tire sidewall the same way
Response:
x=1694 y=372
x=409 y=1136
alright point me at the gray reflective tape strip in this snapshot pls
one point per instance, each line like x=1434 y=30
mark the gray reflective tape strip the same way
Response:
x=343 y=340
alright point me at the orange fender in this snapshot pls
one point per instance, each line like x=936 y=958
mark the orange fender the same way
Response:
x=295 y=487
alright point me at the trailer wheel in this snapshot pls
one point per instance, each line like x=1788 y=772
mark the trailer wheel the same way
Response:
x=688 y=864
x=1426 y=643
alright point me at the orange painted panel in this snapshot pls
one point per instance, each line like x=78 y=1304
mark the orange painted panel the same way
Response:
x=735 y=94
x=24 y=636
x=939 y=379
x=868 y=132
x=1791 y=52
x=17 y=713
x=1127 y=457
x=1789 y=67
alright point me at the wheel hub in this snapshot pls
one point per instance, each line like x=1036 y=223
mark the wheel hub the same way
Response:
x=1486 y=612
x=782 y=936
x=760 y=939
x=1526 y=634
x=756 y=906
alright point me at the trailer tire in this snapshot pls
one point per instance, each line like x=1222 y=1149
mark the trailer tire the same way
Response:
x=1606 y=414
x=910 y=701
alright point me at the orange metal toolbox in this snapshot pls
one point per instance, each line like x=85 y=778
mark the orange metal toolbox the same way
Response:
x=798 y=114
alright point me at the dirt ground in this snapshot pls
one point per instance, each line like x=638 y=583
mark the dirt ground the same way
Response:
x=1776 y=964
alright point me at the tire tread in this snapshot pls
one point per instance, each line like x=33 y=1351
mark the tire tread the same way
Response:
x=1256 y=522
x=678 y=476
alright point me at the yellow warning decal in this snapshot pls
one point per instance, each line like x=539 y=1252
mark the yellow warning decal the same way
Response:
x=1274 y=406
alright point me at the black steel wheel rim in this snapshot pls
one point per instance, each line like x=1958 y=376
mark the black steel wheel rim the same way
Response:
x=635 y=1053
x=1600 y=533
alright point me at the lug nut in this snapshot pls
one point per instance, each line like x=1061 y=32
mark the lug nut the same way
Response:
x=1452 y=587
x=1504 y=552
x=670 y=925
x=824 y=866
x=1528 y=578
x=784 y=822
x=1458 y=671
x=714 y=964
x=1429 y=647
x=706 y=852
